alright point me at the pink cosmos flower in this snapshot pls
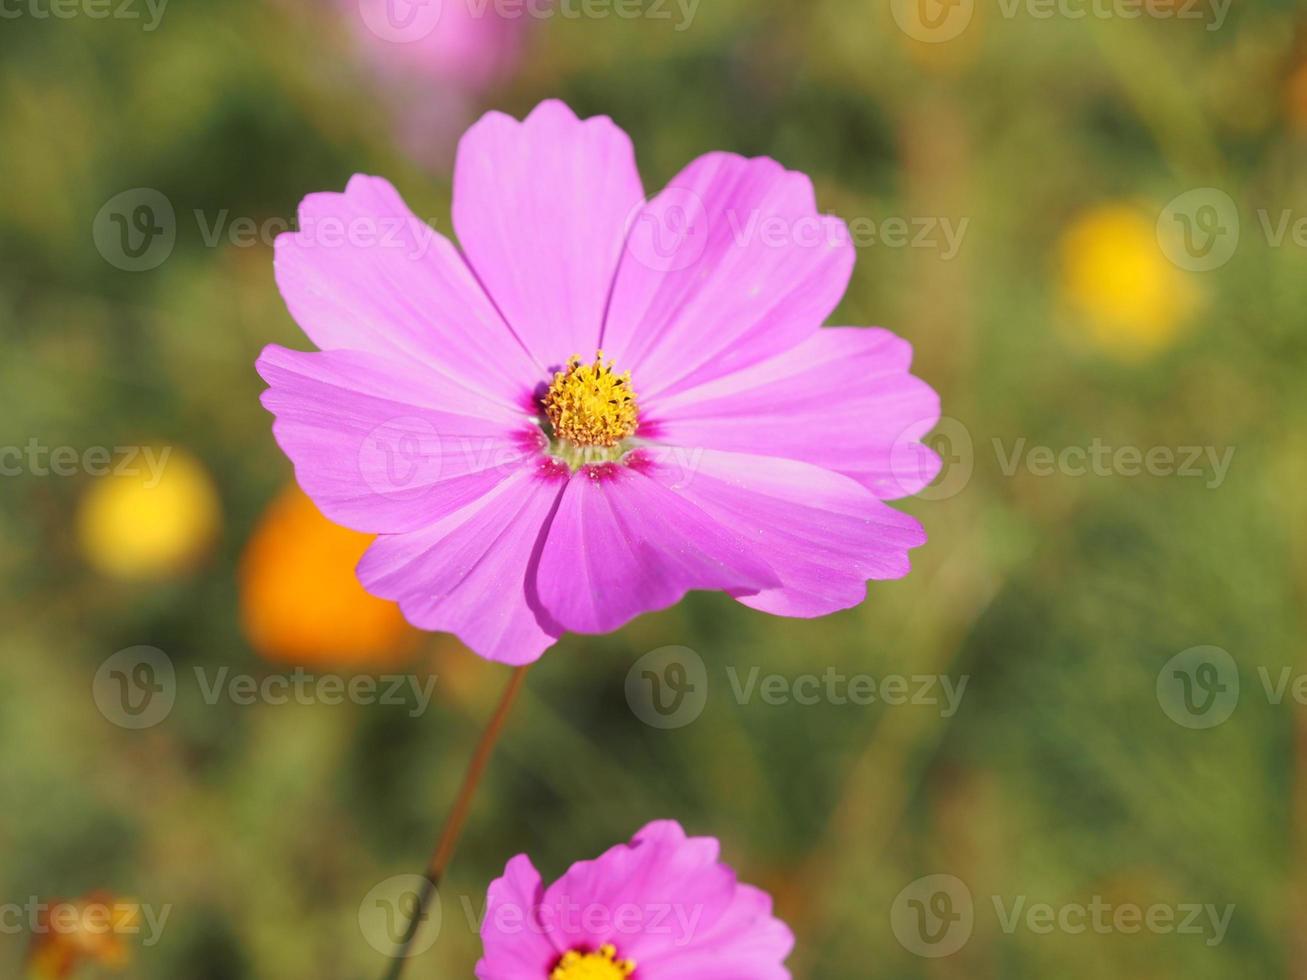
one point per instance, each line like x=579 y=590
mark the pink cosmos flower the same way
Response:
x=470 y=44
x=432 y=59
x=662 y=907
x=521 y=483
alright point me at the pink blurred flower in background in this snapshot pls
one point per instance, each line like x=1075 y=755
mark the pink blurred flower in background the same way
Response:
x=662 y=907
x=521 y=490
x=435 y=58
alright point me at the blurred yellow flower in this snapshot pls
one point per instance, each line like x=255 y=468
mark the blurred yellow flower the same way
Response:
x=90 y=929
x=300 y=599
x=1118 y=281
x=153 y=516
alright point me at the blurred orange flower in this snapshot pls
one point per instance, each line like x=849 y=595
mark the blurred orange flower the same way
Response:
x=300 y=600
x=1295 y=92
x=89 y=929
x=1132 y=300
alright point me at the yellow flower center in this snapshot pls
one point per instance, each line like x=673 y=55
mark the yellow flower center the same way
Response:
x=591 y=404
x=603 y=965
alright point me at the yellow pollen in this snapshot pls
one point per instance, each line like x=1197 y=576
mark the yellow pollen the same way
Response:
x=591 y=404
x=603 y=965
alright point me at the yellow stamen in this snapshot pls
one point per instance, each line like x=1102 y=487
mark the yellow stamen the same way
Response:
x=591 y=404
x=603 y=965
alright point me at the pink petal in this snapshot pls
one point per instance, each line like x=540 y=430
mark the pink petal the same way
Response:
x=823 y=534
x=729 y=265
x=842 y=399
x=387 y=446
x=541 y=208
x=621 y=544
x=746 y=940
x=468 y=573
x=666 y=901
x=657 y=892
x=515 y=946
x=363 y=273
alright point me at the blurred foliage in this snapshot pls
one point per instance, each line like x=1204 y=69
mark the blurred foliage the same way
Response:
x=1060 y=597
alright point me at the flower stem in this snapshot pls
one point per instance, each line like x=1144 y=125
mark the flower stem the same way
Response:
x=444 y=851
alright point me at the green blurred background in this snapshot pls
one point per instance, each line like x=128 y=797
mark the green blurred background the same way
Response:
x=1072 y=310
